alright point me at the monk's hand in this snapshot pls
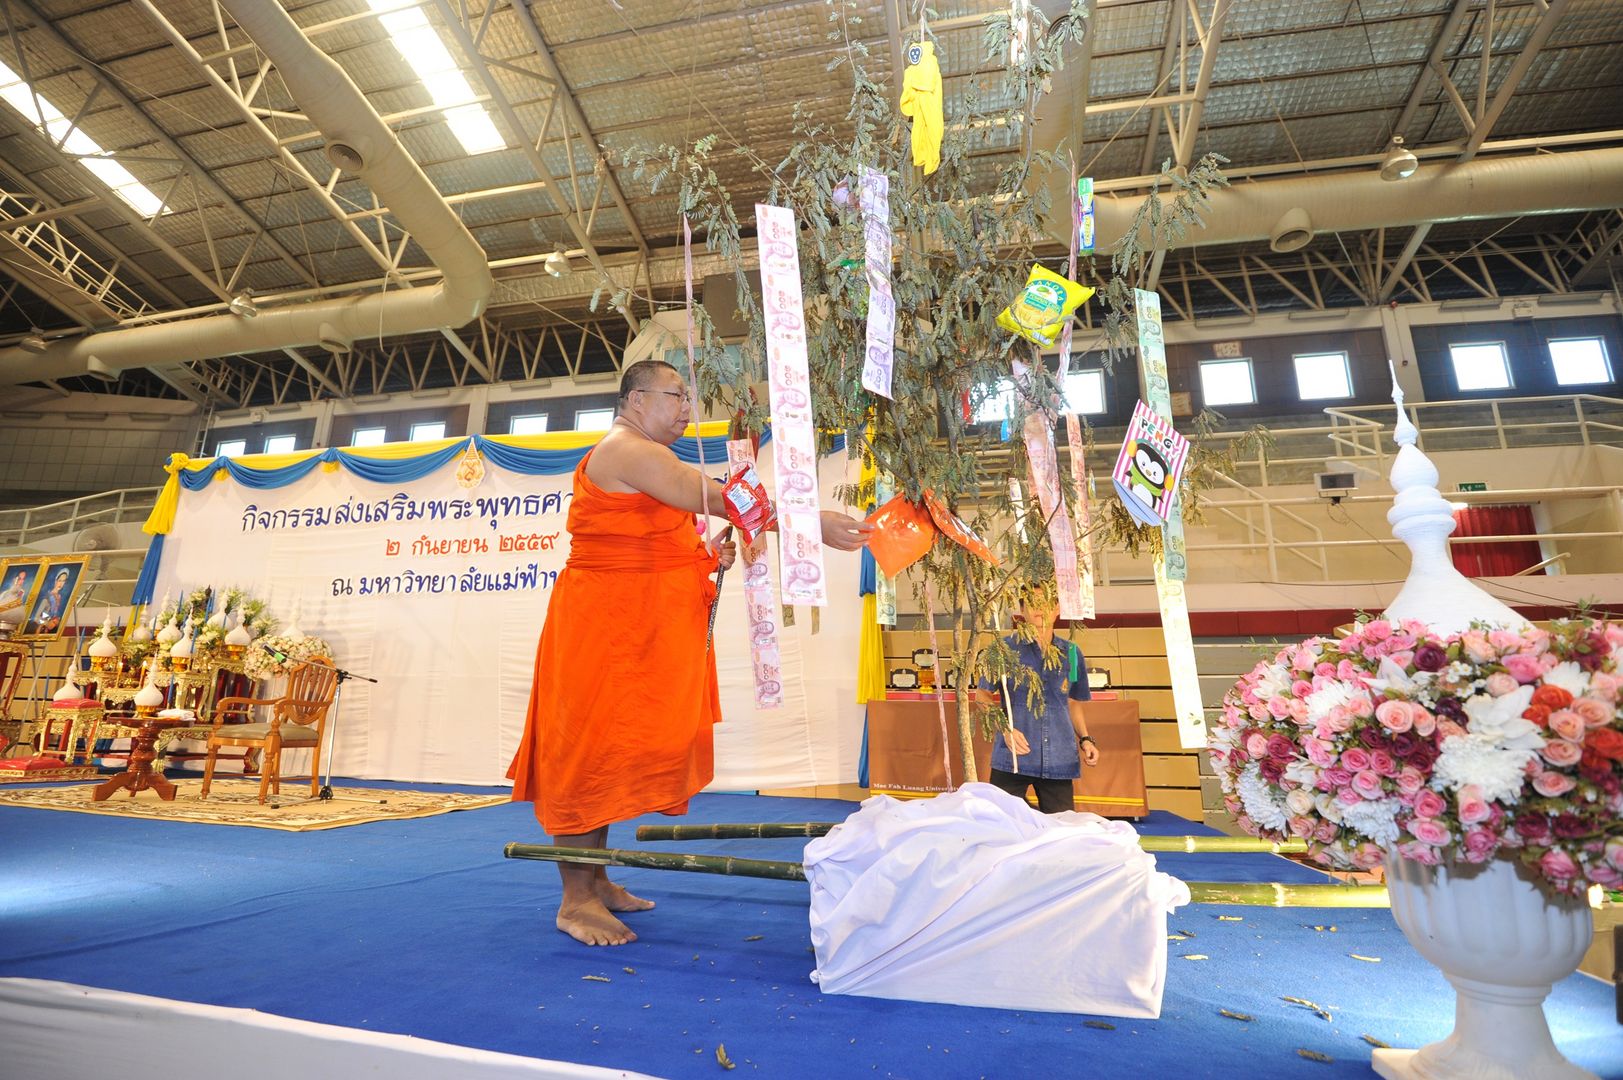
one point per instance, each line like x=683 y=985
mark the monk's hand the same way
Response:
x=1017 y=741
x=1090 y=753
x=727 y=553
x=844 y=532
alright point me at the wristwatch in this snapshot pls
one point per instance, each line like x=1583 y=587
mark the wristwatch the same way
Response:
x=1085 y=738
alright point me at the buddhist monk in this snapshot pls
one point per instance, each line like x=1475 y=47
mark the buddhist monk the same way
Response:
x=625 y=692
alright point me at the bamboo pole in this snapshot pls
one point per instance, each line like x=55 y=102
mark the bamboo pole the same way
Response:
x=769 y=830
x=1249 y=893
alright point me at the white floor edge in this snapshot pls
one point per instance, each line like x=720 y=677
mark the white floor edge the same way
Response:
x=62 y=1031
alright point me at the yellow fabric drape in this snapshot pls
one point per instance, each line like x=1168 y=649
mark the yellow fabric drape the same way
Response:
x=162 y=518
x=870 y=654
x=921 y=100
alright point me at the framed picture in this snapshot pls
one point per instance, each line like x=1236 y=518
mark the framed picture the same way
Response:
x=19 y=581
x=59 y=577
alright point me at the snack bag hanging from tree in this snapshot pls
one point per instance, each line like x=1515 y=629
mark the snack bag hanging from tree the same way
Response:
x=747 y=504
x=1039 y=312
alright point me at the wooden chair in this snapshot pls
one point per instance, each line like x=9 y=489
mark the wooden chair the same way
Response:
x=15 y=730
x=298 y=721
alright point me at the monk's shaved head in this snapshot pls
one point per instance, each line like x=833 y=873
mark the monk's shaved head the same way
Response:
x=641 y=376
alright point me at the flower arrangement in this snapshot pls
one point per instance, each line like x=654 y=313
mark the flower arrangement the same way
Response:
x=1395 y=739
x=260 y=664
x=207 y=639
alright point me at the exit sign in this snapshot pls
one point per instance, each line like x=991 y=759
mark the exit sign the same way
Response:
x=1472 y=487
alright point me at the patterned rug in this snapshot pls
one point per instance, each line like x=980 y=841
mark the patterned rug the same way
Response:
x=236 y=802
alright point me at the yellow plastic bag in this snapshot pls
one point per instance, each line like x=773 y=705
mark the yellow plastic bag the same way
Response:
x=1038 y=314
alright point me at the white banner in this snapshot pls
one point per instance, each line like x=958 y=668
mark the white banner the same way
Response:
x=880 y=356
x=440 y=594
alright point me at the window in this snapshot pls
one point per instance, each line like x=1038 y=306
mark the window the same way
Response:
x=1481 y=366
x=281 y=444
x=594 y=419
x=1320 y=376
x=1580 y=361
x=998 y=405
x=535 y=424
x=369 y=436
x=434 y=429
x=231 y=448
x=1085 y=391
x=1227 y=382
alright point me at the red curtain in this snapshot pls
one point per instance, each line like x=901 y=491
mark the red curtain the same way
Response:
x=1502 y=558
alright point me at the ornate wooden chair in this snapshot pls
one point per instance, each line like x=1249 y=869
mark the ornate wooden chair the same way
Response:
x=12 y=656
x=298 y=721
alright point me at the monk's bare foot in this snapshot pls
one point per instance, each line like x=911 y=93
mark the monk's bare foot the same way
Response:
x=615 y=898
x=591 y=924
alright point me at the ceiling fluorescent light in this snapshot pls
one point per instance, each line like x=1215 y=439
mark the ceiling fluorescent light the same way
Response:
x=420 y=45
x=1399 y=163
x=49 y=121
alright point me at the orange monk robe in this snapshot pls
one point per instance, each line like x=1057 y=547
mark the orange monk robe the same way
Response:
x=624 y=692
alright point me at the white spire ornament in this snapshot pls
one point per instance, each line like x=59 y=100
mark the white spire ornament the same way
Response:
x=1435 y=593
x=103 y=653
x=149 y=697
x=180 y=653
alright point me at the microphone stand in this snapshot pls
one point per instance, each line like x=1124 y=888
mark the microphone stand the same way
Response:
x=332 y=741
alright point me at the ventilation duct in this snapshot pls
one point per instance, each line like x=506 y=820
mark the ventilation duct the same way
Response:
x=357 y=139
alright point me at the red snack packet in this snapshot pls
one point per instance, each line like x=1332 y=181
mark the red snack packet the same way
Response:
x=747 y=504
x=903 y=533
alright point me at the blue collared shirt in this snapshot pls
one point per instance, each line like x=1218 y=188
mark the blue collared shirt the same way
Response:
x=1053 y=753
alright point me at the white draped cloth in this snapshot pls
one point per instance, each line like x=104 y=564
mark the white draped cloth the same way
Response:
x=974 y=898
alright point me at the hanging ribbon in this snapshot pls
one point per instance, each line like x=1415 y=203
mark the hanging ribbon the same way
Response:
x=1158 y=396
x=880 y=357
x=1081 y=557
x=693 y=376
x=800 y=538
x=760 y=602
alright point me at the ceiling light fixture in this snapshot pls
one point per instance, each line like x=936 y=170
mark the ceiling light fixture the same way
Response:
x=423 y=49
x=35 y=341
x=242 y=305
x=557 y=263
x=1399 y=163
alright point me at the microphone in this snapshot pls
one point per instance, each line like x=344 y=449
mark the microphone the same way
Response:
x=276 y=654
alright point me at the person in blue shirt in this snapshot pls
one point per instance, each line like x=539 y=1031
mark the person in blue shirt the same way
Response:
x=1044 y=750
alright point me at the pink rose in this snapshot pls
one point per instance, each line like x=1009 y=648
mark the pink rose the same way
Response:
x=1378 y=629
x=1424 y=722
x=1326 y=831
x=1395 y=716
x=1301 y=688
x=1256 y=745
x=1403 y=658
x=1558 y=865
x=1614 y=635
x=1302 y=827
x=1430 y=832
x=1448 y=729
x=1605 y=685
x=1410 y=781
x=1420 y=853
x=1561 y=752
x=1367 y=783
x=1595 y=713
x=1605 y=876
x=1355 y=759
x=1475 y=644
x=1279 y=707
x=1614 y=851
x=1523 y=668
x=1473 y=808
x=1567 y=724
x=1319 y=752
x=1480 y=845
x=1429 y=804
x=1324 y=670
x=1348 y=796
x=1383 y=762
x=1551 y=784
x=1504 y=640
x=1367 y=856
x=1299 y=711
x=1501 y=683
x=1345 y=671
x=1336 y=723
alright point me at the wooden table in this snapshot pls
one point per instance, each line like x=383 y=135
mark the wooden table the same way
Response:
x=905 y=756
x=138 y=775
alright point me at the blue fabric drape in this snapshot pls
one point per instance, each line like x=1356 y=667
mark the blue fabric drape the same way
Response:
x=862 y=757
x=148 y=576
x=403 y=470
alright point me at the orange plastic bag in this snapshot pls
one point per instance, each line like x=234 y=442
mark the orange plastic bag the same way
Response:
x=903 y=533
x=955 y=529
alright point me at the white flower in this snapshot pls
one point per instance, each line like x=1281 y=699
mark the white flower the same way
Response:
x=1376 y=820
x=1390 y=677
x=1334 y=695
x=1329 y=806
x=1569 y=677
x=1274 y=681
x=1299 y=801
x=1261 y=805
x=1480 y=759
x=1499 y=721
x=1302 y=772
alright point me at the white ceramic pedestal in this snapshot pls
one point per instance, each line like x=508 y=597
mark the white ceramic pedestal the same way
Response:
x=1502 y=943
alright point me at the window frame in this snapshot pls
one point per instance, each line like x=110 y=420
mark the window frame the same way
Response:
x=293 y=449
x=545 y=418
x=355 y=435
x=1346 y=371
x=1104 y=391
x=1609 y=373
x=1218 y=361
x=1504 y=357
x=220 y=448
x=600 y=410
x=427 y=438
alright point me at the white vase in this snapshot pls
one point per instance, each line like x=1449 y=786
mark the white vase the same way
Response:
x=1503 y=943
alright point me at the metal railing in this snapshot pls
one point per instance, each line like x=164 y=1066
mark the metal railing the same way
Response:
x=22 y=527
x=1364 y=431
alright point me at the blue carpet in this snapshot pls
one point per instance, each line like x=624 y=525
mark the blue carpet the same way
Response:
x=422 y=928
